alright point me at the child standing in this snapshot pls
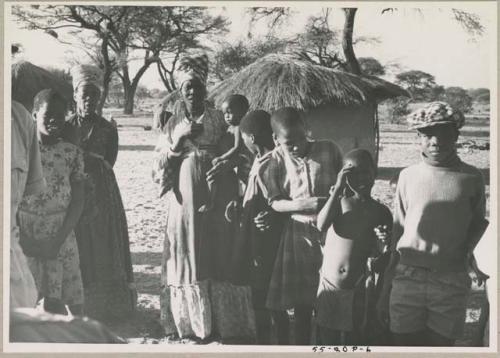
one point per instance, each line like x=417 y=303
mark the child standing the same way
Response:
x=354 y=221
x=233 y=108
x=47 y=219
x=261 y=227
x=297 y=181
x=438 y=219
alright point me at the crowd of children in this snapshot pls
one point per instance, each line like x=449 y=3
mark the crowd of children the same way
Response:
x=311 y=238
x=328 y=250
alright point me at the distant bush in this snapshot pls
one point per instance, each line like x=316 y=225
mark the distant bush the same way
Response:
x=458 y=98
x=397 y=109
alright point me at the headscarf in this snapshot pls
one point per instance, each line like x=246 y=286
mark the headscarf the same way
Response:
x=193 y=67
x=435 y=113
x=87 y=75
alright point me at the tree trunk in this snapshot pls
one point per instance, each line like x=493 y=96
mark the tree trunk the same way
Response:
x=108 y=71
x=350 y=57
x=129 y=94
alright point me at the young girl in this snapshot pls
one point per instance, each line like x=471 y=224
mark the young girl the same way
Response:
x=297 y=181
x=233 y=108
x=47 y=219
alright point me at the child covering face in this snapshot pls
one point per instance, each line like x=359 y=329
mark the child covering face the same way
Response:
x=47 y=219
x=353 y=220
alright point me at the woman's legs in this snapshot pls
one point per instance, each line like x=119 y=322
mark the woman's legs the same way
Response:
x=303 y=317
x=282 y=323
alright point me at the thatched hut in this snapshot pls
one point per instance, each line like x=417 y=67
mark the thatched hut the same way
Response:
x=28 y=80
x=338 y=106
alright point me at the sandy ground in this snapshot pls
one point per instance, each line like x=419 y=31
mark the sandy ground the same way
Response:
x=146 y=214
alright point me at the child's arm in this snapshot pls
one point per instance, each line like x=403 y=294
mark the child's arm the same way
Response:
x=234 y=149
x=312 y=204
x=73 y=214
x=330 y=209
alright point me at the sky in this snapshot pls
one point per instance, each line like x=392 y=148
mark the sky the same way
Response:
x=429 y=40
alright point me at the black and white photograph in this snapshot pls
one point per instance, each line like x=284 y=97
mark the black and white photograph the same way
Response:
x=250 y=176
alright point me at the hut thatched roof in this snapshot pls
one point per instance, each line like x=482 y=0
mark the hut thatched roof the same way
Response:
x=28 y=80
x=282 y=80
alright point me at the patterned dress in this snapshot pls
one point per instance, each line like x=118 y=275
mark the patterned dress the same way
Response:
x=102 y=232
x=295 y=276
x=197 y=299
x=42 y=215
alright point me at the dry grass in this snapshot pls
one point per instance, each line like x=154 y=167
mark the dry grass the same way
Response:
x=266 y=84
x=146 y=213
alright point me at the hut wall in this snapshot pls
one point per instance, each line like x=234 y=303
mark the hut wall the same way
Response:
x=350 y=127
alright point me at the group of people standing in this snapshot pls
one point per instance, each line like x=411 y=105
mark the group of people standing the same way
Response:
x=306 y=235
x=303 y=233
x=70 y=222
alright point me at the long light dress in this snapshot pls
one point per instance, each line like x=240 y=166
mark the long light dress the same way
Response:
x=197 y=298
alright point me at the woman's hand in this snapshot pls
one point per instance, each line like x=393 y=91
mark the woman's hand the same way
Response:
x=263 y=220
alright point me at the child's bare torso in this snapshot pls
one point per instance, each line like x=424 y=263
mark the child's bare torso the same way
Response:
x=351 y=240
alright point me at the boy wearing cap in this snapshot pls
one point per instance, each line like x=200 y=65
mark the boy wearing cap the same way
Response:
x=439 y=213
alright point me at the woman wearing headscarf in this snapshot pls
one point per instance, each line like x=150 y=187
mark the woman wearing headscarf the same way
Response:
x=102 y=233
x=196 y=298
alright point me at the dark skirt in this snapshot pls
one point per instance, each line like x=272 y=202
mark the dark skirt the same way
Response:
x=103 y=244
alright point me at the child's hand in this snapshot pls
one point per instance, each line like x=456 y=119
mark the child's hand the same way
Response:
x=30 y=246
x=263 y=220
x=216 y=160
x=383 y=233
x=342 y=176
x=49 y=250
x=314 y=204
x=481 y=277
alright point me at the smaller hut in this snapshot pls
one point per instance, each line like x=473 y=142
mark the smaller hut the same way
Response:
x=28 y=80
x=338 y=106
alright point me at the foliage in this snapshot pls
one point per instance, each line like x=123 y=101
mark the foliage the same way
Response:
x=60 y=74
x=479 y=94
x=421 y=85
x=232 y=58
x=397 y=109
x=124 y=33
x=457 y=97
x=371 y=66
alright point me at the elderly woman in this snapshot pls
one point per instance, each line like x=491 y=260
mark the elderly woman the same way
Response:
x=102 y=232
x=196 y=298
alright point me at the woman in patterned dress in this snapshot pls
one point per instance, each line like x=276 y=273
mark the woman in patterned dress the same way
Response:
x=102 y=232
x=197 y=299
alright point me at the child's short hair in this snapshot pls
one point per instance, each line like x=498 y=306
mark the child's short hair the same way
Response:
x=46 y=96
x=362 y=156
x=286 y=117
x=258 y=123
x=238 y=100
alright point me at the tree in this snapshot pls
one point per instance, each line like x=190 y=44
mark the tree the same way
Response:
x=469 y=21
x=125 y=33
x=231 y=58
x=319 y=44
x=420 y=84
x=478 y=94
x=397 y=108
x=457 y=97
x=371 y=66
